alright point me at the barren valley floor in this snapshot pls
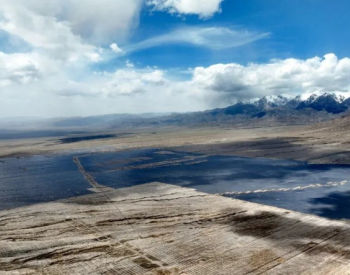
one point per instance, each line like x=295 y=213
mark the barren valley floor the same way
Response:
x=325 y=143
x=158 y=228
x=164 y=229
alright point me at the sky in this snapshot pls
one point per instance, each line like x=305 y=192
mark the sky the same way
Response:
x=62 y=58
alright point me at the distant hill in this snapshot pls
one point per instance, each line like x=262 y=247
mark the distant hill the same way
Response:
x=269 y=110
x=266 y=111
x=102 y=121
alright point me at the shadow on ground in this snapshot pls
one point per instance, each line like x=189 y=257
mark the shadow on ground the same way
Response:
x=338 y=205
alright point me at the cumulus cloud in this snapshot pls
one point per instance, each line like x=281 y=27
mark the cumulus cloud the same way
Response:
x=129 y=64
x=95 y=21
x=203 y=8
x=59 y=37
x=215 y=38
x=156 y=77
x=115 y=48
x=58 y=42
x=150 y=89
x=131 y=82
x=23 y=68
x=18 y=69
x=63 y=39
x=53 y=46
x=290 y=76
x=47 y=33
x=123 y=82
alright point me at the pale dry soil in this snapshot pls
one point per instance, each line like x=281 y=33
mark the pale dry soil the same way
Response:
x=316 y=144
x=164 y=229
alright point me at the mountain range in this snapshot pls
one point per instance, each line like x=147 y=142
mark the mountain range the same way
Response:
x=272 y=110
x=268 y=110
x=330 y=102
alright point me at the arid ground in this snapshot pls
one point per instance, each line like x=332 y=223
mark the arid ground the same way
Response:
x=160 y=229
x=322 y=143
x=164 y=229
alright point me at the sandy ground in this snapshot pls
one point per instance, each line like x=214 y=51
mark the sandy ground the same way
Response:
x=160 y=229
x=316 y=144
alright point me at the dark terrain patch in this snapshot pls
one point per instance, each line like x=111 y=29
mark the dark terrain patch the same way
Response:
x=85 y=138
x=13 y=135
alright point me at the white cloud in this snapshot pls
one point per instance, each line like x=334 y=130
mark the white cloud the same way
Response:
x=131 y=82
x=291 y=76
x=23 y=68
x=215 y=38
x=95 y=21
x=115 y=48
x=18 y=69
x=129 y=64
x=65 y=38
x=151 y=90
x=124 y=82
x=156 y=77
x=45 y=32
x=203 y=8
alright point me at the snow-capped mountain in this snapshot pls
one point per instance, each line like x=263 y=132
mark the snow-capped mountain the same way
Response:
x=337 y=96
x=336 y=102
x=272 y=101
x=268 y=110
x=329 y=102
x=269 y=100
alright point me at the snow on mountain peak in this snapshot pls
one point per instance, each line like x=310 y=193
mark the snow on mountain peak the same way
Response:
x=337 y=96
x=306 y=99
x=277 y=100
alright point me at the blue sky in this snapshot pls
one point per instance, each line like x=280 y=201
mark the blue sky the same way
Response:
x=299 y=29
x=79 y=58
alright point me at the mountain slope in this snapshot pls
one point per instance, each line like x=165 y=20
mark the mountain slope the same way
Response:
x=330 y=103
x=269 y=110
